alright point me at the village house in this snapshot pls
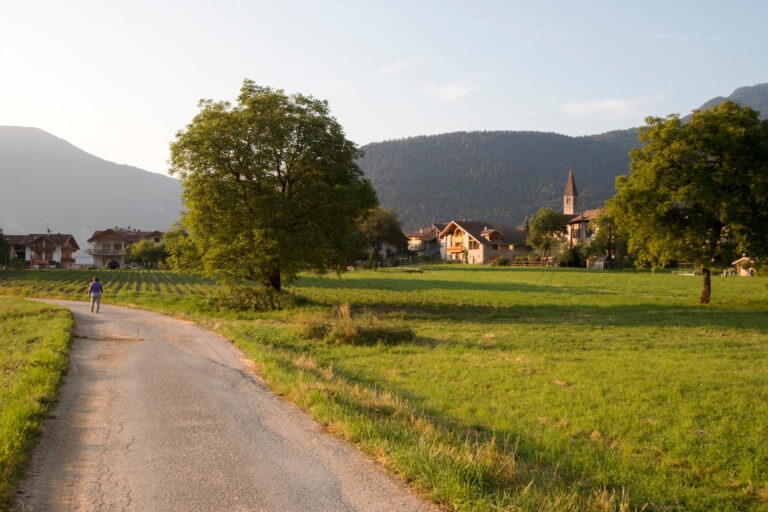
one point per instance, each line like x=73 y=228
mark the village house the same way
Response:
x=745 y=267
x=47 y=249
x=483 y=242
x=109 y=245
x=581 y=227
x=426 y=242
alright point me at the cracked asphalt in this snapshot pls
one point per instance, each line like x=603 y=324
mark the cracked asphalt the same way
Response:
x=158 y=414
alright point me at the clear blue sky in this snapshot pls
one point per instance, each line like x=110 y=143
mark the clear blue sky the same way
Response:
x=119 y=79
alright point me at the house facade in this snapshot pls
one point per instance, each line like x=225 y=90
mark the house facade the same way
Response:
x=44 y=249
x=426 y=242
x=482 y=242
x=110 y=244
x=581 y=228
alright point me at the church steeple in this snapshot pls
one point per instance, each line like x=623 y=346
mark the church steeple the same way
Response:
x=571 y=196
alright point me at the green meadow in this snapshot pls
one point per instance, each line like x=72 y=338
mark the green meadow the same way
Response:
x=510 y=389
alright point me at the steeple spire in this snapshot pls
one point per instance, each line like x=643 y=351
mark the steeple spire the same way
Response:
x=571 y=196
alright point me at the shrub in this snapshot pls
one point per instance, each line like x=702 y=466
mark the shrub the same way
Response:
x=364 y=329
x=252 y=298
x=501 y=261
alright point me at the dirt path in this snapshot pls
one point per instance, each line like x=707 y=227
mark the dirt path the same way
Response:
x=157 y=414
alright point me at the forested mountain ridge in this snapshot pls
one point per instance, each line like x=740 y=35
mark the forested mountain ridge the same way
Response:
x=504 y=176
x=47 y=183
x=492 y=176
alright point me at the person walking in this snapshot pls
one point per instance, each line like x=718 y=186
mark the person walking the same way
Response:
x=94 y=292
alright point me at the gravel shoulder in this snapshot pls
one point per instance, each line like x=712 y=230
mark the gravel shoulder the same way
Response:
x=159 y=414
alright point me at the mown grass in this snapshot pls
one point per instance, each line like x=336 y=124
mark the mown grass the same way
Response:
x=34 y=342
x=523 y=389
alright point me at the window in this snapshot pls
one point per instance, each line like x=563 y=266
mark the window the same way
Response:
x=474 y=245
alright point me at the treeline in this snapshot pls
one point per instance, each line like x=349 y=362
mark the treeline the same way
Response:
x=494 y=176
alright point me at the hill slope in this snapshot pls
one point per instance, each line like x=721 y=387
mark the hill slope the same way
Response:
x=504 y=176
x=47 y=183
x=491 y=176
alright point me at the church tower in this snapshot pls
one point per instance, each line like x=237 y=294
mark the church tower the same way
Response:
x=571 y=197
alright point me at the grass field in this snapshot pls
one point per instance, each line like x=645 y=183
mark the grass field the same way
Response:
x=521 y=389
x=34 y=341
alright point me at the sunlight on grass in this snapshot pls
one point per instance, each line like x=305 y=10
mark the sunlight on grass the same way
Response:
x=34 y=341
x=514 y=389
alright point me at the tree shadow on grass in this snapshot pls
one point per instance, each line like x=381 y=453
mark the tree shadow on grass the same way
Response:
x=415 y=308
x=416 y=285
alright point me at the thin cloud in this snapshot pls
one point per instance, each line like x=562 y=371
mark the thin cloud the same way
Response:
x=608 y=109
x=684 y=37
x=393 y=70
x=449 y=91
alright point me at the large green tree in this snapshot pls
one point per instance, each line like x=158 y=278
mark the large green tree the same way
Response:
x=380 y=227
x=546 y=229
x=697 y=190
x=145 y=252
x=608 y=241
x=270 y=185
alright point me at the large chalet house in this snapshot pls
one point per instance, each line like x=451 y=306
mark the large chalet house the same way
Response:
x=482 y=242
x=109 y=245
x=46 y=249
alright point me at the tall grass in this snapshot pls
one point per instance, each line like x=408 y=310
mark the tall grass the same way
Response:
x=34 y=342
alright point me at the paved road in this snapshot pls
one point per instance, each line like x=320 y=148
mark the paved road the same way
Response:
x=158 y=414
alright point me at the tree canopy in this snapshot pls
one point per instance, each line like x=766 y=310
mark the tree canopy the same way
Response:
x=271 y=186
x=381 y=227
x=696 y=190
x=146 y=252
x=545 y=230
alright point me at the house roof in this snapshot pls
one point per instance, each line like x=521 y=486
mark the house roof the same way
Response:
x=480 y=230
x=428 y=233
x=57 y=239
x=743 y=259
x=129 y=235
x=586 y=215
x=15 y=239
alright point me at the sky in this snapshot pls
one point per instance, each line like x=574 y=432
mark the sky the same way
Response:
x=119 y=79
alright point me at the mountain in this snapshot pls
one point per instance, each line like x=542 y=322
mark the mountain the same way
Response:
x=47 y=183
x=491 y=176
x=504 y=176
x=755 y=97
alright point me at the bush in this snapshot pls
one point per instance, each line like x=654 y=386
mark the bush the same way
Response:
x=252 y=298
x=501 y=261
x=364 y=329
x=573 y=257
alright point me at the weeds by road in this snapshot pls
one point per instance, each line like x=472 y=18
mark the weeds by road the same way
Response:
x=34 y=341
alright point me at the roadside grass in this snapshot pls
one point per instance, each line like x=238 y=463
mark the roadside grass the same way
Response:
x=34 y=343
x=515 y=389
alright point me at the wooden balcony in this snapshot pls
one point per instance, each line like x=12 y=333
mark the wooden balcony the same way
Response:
x=454 y=249
x=105 y=252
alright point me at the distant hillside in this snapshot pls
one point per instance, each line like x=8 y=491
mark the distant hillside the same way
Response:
x=504 y=176
x=47 y=183
x=492 y=176
x=755 y=96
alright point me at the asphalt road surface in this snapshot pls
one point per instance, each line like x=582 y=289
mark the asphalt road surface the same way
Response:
x=158 y=414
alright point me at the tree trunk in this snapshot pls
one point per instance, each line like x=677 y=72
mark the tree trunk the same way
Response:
x=706 y=286
x=274 y=279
